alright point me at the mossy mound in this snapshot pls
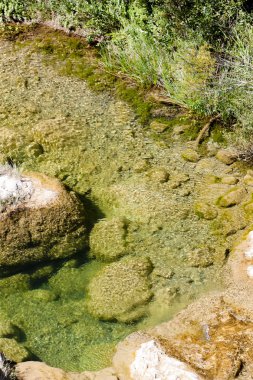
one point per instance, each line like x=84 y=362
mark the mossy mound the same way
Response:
x=108 y=239
x=120 y=290
x=51 y=225
x=13 y=350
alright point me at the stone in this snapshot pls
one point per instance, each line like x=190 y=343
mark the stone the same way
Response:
x=229 y=180
x=128 y=277
x=227 y=156
x=190 y=155
x=34 y=149
x=13 y=350
x=40 y=220
x=14 y=284
x=108 y=239
x=233 y=197
x=205 y=211
x=248 y=180
x=158 y=126
x=159 y=175
x=41 y=371
x=151 y=362
x=141 y=166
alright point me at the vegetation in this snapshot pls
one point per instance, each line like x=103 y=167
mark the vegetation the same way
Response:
x=199 y=53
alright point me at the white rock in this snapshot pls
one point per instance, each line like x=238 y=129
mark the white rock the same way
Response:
x=249 y=253
x=250 y=236
x=151 y=362
x=250 y=271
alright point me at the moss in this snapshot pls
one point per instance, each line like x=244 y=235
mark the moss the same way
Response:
x=134 y=95
x=217 y=134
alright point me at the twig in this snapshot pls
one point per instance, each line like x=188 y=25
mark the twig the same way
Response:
x=205 y=129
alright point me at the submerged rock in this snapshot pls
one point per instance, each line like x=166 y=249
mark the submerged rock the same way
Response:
x=190 y=155
x=232 y=197
x=39 y=220
x=13 y=350
x=121 y=290
x=205 y=211
x=227 y=156
x=108 y=239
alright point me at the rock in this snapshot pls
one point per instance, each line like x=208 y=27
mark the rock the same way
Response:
x=7 y=329
x=205 y=211
x=151 y=362
x=158 y=126
x=13 y=350
x=229 y=180
x=141 y=166
x=128 y=277
x=232 y=197
x=190 y=155
x=41 y=295
x=227 y=156
x=248 y=180
x=40 y=220
x=201 y=257
x=13 y=284
x=159 y=175
x=41 y=371
x=108 y=239
x=34 y=149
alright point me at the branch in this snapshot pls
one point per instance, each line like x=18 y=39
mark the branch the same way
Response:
x=205 y=129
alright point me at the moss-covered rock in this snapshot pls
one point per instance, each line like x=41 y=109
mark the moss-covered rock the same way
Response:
x=232 y=197
x=205 y=211
x=49 y=225
x=229 y=180
x=159 y=175
x=227 y=156
x=190 y=155
x=120 y=290
x=14 y=284
x=108 y=239
x=13 y=350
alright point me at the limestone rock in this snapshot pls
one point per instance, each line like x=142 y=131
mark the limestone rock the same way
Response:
x=108 y=239
x=120 y=290
x=41 y=371
x=190 y=155
x=229 y=180
x=205 y=211
x=227 y=156
x=39 y=221
x=12 y=350
x=248 y=180
x=232 y=197
x=159 y=175
x=158 y=126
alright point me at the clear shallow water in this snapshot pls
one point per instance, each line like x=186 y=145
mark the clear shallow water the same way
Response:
x=94 y=144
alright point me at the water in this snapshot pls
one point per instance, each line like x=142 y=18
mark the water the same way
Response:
x=93 y=142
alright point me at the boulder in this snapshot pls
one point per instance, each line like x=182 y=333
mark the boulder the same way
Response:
x=229 y=180
x=108 y=239
x=13 y=350
x=190 y=155
x=232 y=197
x=205 y=211
x=158 y=126
x=227 y=156
x=121 y=290
x=39 y=220
x=41 y=371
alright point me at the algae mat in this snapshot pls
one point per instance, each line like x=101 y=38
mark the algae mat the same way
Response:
x=94 y=143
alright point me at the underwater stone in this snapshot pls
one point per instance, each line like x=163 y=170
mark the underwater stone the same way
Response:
x=226 y=156
x=120 y=290
x=108 y=239
x=190 y=155
x=248 y=180
x=229 y=180
x=232 y=197
x=158 y=126
x=159 y=175
x=205 y=211
x=13 y=350
x=40 y=222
